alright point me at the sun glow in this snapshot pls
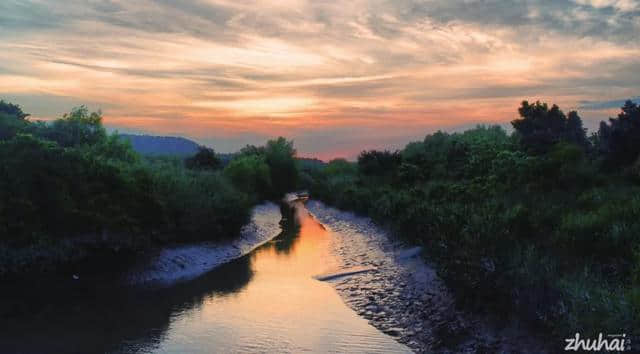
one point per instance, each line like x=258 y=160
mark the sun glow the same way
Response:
x=364 y=71
x=263 y=106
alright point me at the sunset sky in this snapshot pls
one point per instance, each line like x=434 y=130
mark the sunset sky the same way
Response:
x=335 y=76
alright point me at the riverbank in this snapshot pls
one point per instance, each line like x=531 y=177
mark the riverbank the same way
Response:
x=402 y=296
x=266 y=301
x=181 y=263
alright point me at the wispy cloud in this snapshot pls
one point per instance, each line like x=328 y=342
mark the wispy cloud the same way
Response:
x=335 y=75
x=600 y=105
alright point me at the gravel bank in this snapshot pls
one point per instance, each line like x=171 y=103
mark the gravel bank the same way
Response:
x=402 y=295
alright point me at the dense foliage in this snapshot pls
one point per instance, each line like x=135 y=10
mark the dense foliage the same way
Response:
x=619 y=140
x=543 y=222
x=204 y=159
x=267 y=171
x=540 y=127
x=67 y=189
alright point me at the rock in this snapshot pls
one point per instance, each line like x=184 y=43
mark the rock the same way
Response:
x=373 y=308
x=393 y=331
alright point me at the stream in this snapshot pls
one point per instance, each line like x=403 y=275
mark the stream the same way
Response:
x=269 y=300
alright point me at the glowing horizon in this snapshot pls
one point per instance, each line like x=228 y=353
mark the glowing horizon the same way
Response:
x=337 y=77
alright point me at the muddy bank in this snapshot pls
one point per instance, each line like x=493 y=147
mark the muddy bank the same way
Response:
x=390 y=285
x=180 y=263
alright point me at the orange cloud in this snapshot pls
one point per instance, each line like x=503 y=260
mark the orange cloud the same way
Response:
x=355 y=74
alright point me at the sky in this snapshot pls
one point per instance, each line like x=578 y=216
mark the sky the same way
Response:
x=336 y=76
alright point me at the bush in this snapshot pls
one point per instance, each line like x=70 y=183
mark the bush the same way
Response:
x=69 y=189
x=526 y=223
x=250 y=174
x=79 y=127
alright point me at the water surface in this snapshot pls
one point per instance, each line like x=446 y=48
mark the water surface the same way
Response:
x=267 y=301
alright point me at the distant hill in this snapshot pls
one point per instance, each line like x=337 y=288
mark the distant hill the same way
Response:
x=161 y=145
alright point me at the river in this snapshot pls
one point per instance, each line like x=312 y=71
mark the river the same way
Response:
x=266 y=301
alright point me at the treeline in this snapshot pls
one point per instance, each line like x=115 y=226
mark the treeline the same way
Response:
x=543 y=222
x=68 y=190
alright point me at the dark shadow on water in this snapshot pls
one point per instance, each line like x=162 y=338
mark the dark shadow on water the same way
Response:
x=56 y=315
x=75 y=317
x=283 y=243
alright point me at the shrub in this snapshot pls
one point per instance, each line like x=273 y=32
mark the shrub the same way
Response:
x=524 y=224
x=68 y=189
x=250 y=174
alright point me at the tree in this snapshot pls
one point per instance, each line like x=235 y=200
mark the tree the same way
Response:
x=12 y=120
x=576 y=133
x=250 y=174
x=252 y=150
x=79 y=127
x=619 y=141
x=337 y=167
x=280 y=156
x=204 y=159
x=12 y=110
x=414 y=153
x=444 y=155
x=541 y=127
x=378 y=163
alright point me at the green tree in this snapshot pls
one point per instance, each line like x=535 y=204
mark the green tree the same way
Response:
x=204 y=159
x=540 y=127
x=79 y=127
x=12 y=120
x=252 y=150
x=280 y=156
x=337 y=167
x=414 y=153
x=12 y=110
x=378 y=163
x=250 y=174
x=619 y=141
x=444 y=155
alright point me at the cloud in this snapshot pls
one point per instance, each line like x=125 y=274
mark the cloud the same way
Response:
x=599 y=105
x=620 y=5
x=349 y=73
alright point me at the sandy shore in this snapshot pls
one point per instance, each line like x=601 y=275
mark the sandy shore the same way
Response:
x=185 y=262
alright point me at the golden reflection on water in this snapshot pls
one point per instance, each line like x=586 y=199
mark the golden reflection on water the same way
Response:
x=267 y=301
x=307 y=255
x=282 y=307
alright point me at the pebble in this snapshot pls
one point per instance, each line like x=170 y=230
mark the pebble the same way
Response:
x=394 y=331
x=417 y=311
